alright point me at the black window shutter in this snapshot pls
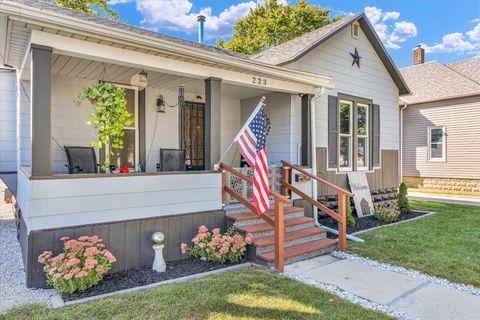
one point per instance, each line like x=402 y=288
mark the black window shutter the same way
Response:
x=376 y=135
x=332 y=132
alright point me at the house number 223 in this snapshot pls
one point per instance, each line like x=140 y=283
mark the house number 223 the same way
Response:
x=260 y=81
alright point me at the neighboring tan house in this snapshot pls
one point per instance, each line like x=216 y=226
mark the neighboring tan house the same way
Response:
x=331 y=98
x=441 y=125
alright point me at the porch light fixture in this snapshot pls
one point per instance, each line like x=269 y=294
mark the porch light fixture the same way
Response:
x=161 y=104
x=139 y=80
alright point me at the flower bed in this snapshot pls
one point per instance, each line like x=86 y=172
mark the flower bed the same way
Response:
x=367 y=222
x=145 y=275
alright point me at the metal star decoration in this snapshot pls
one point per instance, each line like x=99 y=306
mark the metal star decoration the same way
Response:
x=356 y=58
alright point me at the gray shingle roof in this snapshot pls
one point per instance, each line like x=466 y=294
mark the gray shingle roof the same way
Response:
x=469 y=68
x=434 y=81
x=42 y=5
x=290 y=50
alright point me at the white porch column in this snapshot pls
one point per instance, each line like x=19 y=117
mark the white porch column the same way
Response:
x=40 y=107
x=213 y=94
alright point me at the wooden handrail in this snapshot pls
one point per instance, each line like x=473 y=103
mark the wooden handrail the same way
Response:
x=325 y=182
x=239 y=174
x=340 y=216
x=277 y=223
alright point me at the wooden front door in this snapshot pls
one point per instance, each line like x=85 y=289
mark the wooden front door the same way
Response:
x=194 y=135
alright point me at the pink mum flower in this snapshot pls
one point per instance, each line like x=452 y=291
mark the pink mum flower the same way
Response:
x=202 y=229
x=249 y=239
x=81 y=274
x=201 y=245
x=68 y=276
x=183 y=247
x=64 y=238
x=99 y=269
x=216 y=232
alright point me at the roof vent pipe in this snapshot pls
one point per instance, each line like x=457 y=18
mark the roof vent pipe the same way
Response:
x=201 y=32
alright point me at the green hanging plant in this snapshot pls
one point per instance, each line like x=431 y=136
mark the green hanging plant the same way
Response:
x=109 y=117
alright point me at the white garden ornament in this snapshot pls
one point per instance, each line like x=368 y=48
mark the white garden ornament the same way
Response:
x=158 y=263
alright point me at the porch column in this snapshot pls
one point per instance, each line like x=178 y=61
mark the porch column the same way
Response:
x=213 y=93
x=40 y=107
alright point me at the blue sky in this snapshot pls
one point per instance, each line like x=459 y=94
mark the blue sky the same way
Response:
x=449 y=30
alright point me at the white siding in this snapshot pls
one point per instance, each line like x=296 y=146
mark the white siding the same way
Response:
x=284 y=112
x=460 y=118
x=8 y=121
x=55 y=203
x=370 y=81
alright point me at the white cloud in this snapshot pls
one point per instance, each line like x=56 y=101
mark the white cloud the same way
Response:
x=474 y=34
x=457 y=42
x=181 y=16
x=392 y=35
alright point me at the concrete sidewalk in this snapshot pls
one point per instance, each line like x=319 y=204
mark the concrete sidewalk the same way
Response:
x=411 y=296
x=446 y=198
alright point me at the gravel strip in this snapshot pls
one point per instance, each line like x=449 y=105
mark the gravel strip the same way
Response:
x=367 y=304
x=469 y=289
x=13 y=289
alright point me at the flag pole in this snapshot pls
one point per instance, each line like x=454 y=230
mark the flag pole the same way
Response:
x=260 y=104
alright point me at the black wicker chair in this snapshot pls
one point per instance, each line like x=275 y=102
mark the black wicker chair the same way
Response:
x=81 y=160
x=171 y=160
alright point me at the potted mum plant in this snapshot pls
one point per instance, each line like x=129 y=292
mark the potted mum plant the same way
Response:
x=109 y=116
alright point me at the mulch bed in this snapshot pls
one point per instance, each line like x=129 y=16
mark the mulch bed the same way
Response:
x=367 y=222
x=145 y=275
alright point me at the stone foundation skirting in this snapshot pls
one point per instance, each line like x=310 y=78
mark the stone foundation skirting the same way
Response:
x=444 y=184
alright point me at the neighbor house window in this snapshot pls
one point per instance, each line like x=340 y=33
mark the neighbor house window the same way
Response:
x=345 y=136
x=436 y=144
x=128 y=156
x=362 y=136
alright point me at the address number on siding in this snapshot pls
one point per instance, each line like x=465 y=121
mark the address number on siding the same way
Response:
x=259 y=81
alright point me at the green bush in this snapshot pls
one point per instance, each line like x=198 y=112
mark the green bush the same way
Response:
x=403 y=200
x=388 y=214
x=350 y=219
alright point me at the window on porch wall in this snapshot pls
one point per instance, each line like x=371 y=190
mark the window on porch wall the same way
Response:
x=128 y=156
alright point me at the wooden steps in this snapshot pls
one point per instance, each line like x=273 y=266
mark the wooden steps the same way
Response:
x=303 y=239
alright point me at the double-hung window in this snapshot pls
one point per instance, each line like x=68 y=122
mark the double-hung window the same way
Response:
x=436 y=144
x=362 y=156
x=129 y=155
x=345 y=135
x=353 y=133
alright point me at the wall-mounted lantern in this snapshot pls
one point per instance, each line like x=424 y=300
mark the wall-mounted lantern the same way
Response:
x=161 y=104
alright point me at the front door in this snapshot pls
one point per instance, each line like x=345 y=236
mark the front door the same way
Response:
x=194 y=135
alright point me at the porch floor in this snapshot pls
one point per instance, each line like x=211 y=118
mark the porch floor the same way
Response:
x=13 y=289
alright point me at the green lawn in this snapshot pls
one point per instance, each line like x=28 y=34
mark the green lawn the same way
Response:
x=253 y=293
x=444 y=245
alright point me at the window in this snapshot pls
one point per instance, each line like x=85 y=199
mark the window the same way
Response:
x=129 y=156
x=362 y=137
x=345 y=136
x=436 y=144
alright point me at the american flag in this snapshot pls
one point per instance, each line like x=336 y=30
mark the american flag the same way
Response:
x=251 y=142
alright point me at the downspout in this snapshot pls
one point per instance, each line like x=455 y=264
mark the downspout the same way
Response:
x=319 y=92
x=401 y=142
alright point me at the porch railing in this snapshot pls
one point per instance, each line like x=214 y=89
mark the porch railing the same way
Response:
x=340 y=216
x=277 y=222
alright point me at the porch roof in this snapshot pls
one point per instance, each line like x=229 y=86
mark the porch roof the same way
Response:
x=27 y=20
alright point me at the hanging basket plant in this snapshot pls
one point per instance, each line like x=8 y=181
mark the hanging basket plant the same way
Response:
x=109 y=116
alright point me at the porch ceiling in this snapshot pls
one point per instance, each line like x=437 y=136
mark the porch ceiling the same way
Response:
x=93 y=70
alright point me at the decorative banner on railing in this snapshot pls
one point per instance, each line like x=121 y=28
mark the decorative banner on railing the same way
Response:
x=361 y=193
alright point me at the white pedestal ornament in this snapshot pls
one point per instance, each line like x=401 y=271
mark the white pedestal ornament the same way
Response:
x=158 y=263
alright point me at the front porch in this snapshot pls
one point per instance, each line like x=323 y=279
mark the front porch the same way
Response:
x=125 y=209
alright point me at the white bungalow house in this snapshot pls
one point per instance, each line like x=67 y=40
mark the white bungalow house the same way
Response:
x=327 y=114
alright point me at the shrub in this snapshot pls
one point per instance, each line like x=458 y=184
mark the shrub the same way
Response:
x=82 y=264
x=388 y=214
x=403 y=200
x=350 y=219
x=227 y=248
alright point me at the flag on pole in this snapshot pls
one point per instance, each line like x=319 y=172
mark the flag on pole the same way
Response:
x=251 y=141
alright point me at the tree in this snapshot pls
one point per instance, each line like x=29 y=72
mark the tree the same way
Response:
x=270 y=24
x=98 y=8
